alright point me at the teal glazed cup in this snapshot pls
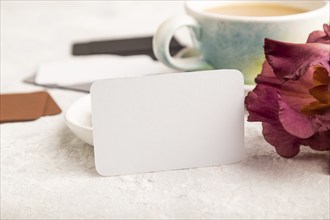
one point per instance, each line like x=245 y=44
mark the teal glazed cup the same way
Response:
x=233 y=41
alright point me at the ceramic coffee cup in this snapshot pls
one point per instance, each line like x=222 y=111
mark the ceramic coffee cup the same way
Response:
x=236 y=41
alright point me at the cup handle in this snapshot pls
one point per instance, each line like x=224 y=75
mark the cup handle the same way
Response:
x=162 y=39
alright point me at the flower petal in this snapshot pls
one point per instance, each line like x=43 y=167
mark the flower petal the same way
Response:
x=262 y=104
x=296 y=93
x=326 y=29
x=321 y=76
x=294 y=122
x=285 y=144
x=320 y=36
x=267 y=77
x=320 y=141
x=321 y=93
x=325 y=121
x=290 y=61
x=316 y=108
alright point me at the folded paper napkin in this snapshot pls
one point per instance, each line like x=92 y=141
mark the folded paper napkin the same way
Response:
x=78 y=73
x=87 y=69
x=26 y=106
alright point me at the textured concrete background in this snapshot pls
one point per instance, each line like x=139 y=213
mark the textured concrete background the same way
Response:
x=47 y=173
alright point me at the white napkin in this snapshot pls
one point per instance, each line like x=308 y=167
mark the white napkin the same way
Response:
x=87 y=69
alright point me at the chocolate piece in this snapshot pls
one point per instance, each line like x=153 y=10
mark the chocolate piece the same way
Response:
x=26 y=106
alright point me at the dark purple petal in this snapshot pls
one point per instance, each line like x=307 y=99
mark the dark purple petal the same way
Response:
x=285 y=144
x=296 y=92
x=325 y=121
x=290 y=61
x=267 y=77
x=326 y=29
x=320 y=36
x=320 y=141
x=295 y=122
x=262 y=104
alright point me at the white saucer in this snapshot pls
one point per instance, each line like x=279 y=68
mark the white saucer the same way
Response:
x=79 y=117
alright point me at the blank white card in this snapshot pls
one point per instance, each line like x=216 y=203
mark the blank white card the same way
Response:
x=168 y=121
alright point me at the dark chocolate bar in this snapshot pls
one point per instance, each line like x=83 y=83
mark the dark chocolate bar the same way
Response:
x=123 y=47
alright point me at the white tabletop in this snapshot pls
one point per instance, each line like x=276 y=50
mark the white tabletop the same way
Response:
x=48 y=173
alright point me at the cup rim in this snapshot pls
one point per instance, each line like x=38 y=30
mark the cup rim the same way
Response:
x=191 y=8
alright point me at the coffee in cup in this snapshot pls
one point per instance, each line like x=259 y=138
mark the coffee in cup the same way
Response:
x=255 y=10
